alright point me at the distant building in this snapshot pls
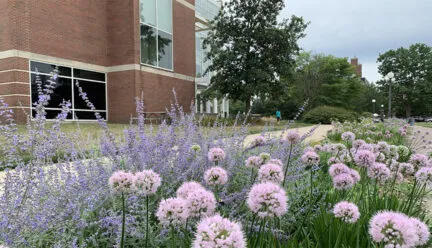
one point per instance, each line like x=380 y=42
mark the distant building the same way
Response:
x=357 y=66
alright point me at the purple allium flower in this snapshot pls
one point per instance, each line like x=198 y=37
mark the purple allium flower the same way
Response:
x=424 y=175
x=275 y=161
x=310 y=158
x=318 y=148
x=337 y=169
x=380 y=157
x=216 y=176
x=121 y=182
x=406 y=168
x=308 y=149
x=293 y=137
x=339 y=148
x=343 y=181
x=358 y=143
x=419 y=160
x=346 y=211
x=187 y=188
x=367 y=147
x=364 y=158
x=254 y=162
x=270 y=173
x=348 y=136
x=172 y=211
x=379 y=171
x=355 y=175
x=398 y=177
x=216 y=154
x=201 y=203
x=258 y=141
x=216 y=231
x=383 y=147
x=267 y=200
x=146 y=182
x=393 y=230
x=422 y=231
x=333 y=160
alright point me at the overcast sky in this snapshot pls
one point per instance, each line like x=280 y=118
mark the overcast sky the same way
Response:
x=362 y=28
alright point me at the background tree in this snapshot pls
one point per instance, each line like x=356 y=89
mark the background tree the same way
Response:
x=411 y=88
x=250 y=49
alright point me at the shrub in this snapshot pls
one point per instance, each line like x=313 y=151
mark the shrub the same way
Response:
x=325 y=115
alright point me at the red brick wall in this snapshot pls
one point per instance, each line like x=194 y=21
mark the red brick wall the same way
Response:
x=5 y=22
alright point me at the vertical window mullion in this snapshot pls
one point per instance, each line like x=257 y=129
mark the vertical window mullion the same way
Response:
x=157 y=34
x=73 y=94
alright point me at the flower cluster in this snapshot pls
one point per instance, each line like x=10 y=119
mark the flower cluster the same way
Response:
x=267 y=200
x=310 y=158
x=172 y=211
x=270 y=172
x=292 y=137
x=348 y=136
x=216 y=154
x=346 y=211
x=254 y=162
x=216 y=176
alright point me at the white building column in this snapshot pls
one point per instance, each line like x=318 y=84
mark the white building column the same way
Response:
x=227 y=107
x=223 y=107
x=201 y=110
x=215 y=106
x=208 y=107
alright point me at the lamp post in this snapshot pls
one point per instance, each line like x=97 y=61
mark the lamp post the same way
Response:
x=390 y=77
x=373 y=107
x=382 y=112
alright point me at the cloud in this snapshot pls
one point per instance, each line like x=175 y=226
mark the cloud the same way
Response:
x=362 y=28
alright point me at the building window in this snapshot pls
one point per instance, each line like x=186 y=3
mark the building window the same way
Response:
x=92 y=83
x=156 y=33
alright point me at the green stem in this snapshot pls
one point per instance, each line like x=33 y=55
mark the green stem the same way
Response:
x=147 y=221
x=251 y=227
x=123 y=221
x=286 y=168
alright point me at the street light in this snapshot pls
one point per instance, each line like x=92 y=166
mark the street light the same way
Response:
x=382 y=112
x=390 y=77
x=373 y=108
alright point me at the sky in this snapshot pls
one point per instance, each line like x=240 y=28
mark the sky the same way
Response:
x=347 y=28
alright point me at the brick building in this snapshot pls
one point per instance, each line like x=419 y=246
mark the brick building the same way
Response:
x=357 y=66
x=116 y=49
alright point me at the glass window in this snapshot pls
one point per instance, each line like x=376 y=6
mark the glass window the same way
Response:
x=165 y=50
x=95 y=92
x=89 y=75
x=47 y=68
x=156 y=37
x=148 y=12
x=148 y=45
x=62 y=90
x=88 y=115
x=65 y=89
x=164 y=15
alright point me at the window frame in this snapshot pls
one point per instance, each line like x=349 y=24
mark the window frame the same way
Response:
x=72 y=78
x=157 y=38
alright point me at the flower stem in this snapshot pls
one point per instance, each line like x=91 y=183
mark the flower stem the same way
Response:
x=147 y=220
x=123 y=221
x=286 y=168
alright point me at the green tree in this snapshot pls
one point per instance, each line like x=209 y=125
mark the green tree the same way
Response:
x=250 y=49
x=327 y=80
x=411 y=87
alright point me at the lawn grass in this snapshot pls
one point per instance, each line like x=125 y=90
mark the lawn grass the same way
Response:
x=424 y=124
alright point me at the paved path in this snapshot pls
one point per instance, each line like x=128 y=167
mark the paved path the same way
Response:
x=318 y=135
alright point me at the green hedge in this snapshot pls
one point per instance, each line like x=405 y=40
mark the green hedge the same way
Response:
x=325 y=114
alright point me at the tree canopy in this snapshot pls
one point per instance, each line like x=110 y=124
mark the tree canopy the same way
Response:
x=250 y=50
x=411 y=87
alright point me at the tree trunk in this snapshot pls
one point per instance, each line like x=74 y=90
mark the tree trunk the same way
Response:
x=408 y=110
x=247 y=105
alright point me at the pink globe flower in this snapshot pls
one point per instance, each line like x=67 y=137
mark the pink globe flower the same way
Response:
x=275 y=161
x=422 y=231
x=393 y=229
x=254 y=162
x=293 y=137
x=367 y=147
x=146 y=182
x=265 y=156
x=172 y=211
x=310 y=158
x=406 y=168
x=258 y=141
x=383 y=147
x=216 y=154
x=333 y=160
x=348 y=136
x=339 y=168
x=216 y=231
x=216 y=176
x=318 y=148
x=419 y=160
x=355 y=175
x=267 y=200
x=270 y=173
x=343 y=181
x=364 y=158
x=346 y=211
x=201 y=203
x=424 y=175
x=121 y=182
x=358 y=143
x=379 y=171
x=397 y=177
x=187 y=188
x=308 y=149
